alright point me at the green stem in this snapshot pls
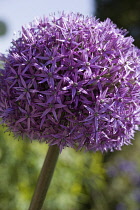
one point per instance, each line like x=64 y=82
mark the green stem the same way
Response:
x=44 y=178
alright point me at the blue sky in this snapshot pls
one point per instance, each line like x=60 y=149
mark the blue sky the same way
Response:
x=17 y=13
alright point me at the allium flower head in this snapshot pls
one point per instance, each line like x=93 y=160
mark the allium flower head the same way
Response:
x=73 y=81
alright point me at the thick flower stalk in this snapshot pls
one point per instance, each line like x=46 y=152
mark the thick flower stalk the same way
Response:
x=72 y=81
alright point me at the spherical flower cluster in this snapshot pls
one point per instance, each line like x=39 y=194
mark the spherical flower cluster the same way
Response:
x=73 y=81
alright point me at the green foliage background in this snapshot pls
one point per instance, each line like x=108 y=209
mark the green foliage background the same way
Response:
x=80 y=181
x=20 y=162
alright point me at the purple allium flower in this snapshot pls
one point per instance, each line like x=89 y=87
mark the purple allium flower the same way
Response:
x=72 y=81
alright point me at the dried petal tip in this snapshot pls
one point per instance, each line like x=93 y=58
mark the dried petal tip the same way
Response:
x=73 y=81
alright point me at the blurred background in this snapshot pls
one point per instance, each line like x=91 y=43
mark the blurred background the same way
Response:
x=82 y=181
